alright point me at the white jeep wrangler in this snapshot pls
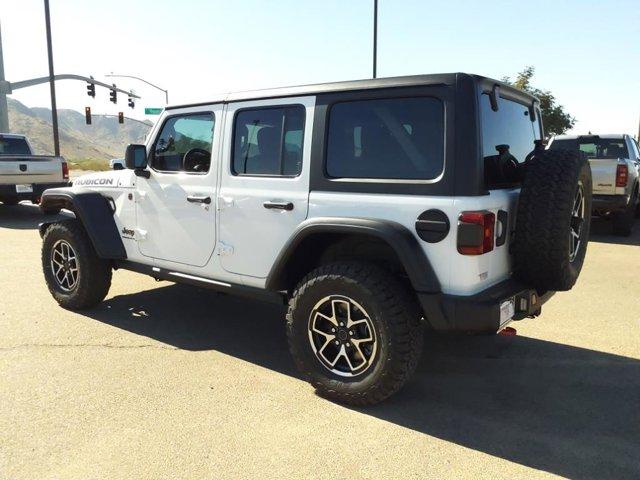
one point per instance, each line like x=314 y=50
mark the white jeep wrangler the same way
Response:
x=375 y=208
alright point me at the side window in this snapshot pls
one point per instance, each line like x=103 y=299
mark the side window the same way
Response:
x=268 y=141
x=184 y=144
x=391 y=138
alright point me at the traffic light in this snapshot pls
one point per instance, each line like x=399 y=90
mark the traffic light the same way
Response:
x=132 y=104
x=113 y=94
x=91 y=89
x=120 y=117
x=87 y=115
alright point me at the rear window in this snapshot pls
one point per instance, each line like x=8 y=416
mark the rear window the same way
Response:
x=594 y=147
x=508 y=137
x=14 y=146
x=395 y=138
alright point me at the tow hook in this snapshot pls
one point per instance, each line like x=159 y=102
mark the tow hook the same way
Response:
x=508 y=332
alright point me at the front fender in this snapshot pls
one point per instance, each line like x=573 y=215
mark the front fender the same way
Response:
x=94 y=213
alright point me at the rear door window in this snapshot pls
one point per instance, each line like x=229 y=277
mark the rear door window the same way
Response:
x=395 y=138
x=268 y=141
x=508 y=137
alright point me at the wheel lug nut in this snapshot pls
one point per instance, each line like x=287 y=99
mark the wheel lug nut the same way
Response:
x=337 y=342
x=333 y=330
x=341 y=324
x=351 y=333
x=348 y=344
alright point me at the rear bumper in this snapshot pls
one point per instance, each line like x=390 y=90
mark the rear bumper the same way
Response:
x=480 y=313
x=609 y=202
x=9 y=191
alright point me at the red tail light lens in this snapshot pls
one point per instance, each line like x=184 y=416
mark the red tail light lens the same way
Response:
x=65 y=171
x=476 y=231
x=622 y=176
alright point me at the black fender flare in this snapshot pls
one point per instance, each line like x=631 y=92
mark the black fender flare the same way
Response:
x=397 y=236
x=96 y=215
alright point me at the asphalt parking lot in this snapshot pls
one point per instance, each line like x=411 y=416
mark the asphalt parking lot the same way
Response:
x=169 y=381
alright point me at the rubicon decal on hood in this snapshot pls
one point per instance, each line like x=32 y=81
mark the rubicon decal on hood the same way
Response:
x=93 y=181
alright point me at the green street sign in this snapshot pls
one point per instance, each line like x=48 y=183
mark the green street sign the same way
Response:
x=152 y=111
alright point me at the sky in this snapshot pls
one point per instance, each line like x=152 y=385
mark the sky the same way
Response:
x=586 y=52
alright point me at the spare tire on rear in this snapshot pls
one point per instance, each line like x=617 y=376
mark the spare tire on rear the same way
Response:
x=553 y=220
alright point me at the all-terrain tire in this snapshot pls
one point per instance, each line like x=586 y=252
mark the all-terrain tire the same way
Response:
x=93 y=273
x=543 y=250
x=623 y=221
x=394 y=315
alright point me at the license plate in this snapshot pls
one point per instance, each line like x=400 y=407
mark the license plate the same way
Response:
x=507 y=310
x=24 y=188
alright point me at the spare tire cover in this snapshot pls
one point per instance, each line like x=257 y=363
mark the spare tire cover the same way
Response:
x=553 y=220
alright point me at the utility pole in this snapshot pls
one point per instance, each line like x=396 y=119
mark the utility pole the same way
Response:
x=375 y=38
x=52 y=82
x=4 y=109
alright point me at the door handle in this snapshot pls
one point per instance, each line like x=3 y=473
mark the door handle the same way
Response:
x=196 y=199
x=273 y=205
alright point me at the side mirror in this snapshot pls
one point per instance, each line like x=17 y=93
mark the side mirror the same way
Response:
x=136 y=157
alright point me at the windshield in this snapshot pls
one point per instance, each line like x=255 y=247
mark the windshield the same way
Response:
x=594 y=147
x=14 y=146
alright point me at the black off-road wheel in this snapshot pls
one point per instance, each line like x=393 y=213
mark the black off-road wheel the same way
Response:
x=75 y=275
x=553 y=220
x=623 y=221
x=354 y=332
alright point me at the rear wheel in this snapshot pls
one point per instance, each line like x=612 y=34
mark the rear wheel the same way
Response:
x=76 y=277
x=354 y=332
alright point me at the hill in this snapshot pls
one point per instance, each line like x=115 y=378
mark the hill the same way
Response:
x=104 y=139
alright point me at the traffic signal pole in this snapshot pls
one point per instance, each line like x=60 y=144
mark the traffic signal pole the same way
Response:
x=52 y=82
x=4 y=109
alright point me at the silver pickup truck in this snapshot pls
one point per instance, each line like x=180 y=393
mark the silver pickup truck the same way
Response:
x=615 y=166
x=23 y=175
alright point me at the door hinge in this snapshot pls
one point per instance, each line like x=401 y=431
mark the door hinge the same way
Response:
x=140 y=196
x=225 y=250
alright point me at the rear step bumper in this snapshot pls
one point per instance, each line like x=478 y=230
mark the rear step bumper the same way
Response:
x=9 y=191
x=609 y=202
x=480 y=313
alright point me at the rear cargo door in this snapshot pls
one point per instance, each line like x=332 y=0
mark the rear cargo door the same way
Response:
x=508 y=137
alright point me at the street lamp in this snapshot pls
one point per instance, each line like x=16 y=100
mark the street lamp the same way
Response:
x=166 y=92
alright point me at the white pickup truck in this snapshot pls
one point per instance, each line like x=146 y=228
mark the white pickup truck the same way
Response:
x=615 y=166
x=23 y=175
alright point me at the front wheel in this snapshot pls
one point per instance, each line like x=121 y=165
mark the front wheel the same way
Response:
x=77 y=278
x=354 y=332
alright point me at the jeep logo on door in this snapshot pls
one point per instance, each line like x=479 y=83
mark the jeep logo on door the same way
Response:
x=93 y=181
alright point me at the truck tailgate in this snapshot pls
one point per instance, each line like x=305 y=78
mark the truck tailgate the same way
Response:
x=24 y=169
x=603 y=171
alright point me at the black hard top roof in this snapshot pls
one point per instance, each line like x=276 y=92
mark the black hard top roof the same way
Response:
x=367 y=84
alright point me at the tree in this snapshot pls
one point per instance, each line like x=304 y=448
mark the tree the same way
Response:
x=556 y=121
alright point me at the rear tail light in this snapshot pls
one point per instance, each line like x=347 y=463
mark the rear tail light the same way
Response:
x=65 y=171
x=476 y=232
x=622 y=176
